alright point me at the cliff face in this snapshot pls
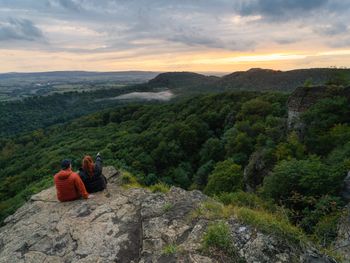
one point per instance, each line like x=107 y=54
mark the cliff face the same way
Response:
x=130 y=225
x=305 y=97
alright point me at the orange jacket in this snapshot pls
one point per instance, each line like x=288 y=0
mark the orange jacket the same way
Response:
x=69 y=186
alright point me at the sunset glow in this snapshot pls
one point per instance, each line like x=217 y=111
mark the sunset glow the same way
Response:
x=114 y=35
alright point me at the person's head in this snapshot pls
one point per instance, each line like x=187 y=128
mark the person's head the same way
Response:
x=66 y=164
x=88 y=165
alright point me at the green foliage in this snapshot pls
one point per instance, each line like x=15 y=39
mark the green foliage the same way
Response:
x=271 y=224
x=169 y=249
x=167 y=207
x=217 y=241
x=307 y=187
x=326 y=126
x=340 y=78
x=226 y=177
x=159 y=187
x=256 y=106
x=201 y=177
x=308 y=177
x=326 y=229
x=292 y=148
x=201 y=142
x=308 y=83
x=249 y=200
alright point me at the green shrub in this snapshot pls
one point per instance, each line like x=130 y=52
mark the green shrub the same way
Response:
x=270 y=224
x=169 y=249
x=226 y=177
x=326 y=229
x=217 y=241
x=128 y=180
x=159 y=187
x=308 y=177
x=167 y=207
x=209 y=210
x=250 y=200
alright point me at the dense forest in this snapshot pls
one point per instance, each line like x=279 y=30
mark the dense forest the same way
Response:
x=207 y=142
x=153 y=141
x=42 y=111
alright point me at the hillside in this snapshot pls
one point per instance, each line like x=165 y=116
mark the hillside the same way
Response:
x=131 y=224
x=234 y=146
x=183 y=82
x=254 y=79
x=264 y=79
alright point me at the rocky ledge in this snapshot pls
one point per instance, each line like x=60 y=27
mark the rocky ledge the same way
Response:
x=130 y=225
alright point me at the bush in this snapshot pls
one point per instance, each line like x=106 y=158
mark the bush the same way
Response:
x=271 y=224
x=226 y=177
x=217 y=241
x=250 y=200
x=307 y=177
x=326 y=229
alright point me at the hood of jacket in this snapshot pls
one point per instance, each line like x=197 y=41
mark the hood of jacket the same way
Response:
x=64 y=174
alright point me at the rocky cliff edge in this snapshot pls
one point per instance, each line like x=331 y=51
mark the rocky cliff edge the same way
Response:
x=130 y=225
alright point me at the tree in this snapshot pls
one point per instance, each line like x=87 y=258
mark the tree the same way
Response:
x=226 y=177
x=212 y=149
x=201 y=177
x=308 y=177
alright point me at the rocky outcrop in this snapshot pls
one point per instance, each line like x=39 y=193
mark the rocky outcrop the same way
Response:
x=257 y=169
x=342 y=243
x=346 y=188
x=130 y=225
x=304 y=97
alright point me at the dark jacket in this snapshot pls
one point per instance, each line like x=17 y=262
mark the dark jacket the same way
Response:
x=97 y=182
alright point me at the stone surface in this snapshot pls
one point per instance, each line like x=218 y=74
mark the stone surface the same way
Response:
x=257 y=169
x=128 y=225
x=343 y=238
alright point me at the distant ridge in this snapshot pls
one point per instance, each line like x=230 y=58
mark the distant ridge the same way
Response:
x=255 y=79
x=182 y=79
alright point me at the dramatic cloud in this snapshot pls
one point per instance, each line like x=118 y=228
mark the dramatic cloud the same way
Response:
x=19 y=29
x=280 y=8
x=121 y=33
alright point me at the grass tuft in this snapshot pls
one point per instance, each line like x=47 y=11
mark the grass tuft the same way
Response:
x=159 y=187
x=217 y=242
x=169 y=249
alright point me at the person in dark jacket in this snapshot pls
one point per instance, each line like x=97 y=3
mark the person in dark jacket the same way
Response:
x=91 y=174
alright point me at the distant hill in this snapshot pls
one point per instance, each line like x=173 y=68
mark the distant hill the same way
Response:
x=183 y=81
x=255 y=79
x=266 y=79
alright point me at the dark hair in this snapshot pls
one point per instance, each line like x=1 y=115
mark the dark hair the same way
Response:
x=65 y=164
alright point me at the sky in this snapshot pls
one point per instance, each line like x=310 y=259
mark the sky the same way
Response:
x=173 y=35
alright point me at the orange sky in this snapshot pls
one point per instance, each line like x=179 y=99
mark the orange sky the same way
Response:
x=167 y=35
x=216 y=61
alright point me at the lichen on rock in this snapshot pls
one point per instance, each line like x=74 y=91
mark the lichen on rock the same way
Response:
x=129 y=225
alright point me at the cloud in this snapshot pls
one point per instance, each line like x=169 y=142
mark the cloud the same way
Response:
x=279 y=9
x=19 y=29
x=332 y=29
x=134 y=29
x=70 y=5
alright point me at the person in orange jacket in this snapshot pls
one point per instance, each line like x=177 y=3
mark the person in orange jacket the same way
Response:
x=68 y=184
